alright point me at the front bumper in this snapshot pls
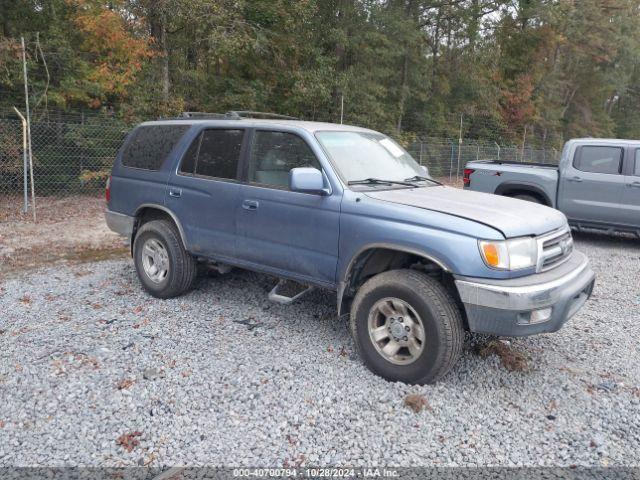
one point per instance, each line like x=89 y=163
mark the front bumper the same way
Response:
x=506 y=307
x=119 y=222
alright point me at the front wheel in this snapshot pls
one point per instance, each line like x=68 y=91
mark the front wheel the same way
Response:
x=407 y=327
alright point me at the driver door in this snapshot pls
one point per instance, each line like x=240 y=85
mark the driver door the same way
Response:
x=292 y=233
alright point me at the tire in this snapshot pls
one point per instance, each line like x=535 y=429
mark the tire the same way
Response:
x=528 y=198
x=181 y=269
x=438 y=314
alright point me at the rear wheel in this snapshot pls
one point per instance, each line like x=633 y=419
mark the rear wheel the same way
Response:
x=164 y=267
x=407 y=327
x=527 y=198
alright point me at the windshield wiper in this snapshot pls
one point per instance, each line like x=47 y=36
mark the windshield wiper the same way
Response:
x=419 y=178
x=379 y=181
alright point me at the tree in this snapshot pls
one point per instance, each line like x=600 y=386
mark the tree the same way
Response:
x=407 y=67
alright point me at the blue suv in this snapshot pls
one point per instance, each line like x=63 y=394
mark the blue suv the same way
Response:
x=413 y=262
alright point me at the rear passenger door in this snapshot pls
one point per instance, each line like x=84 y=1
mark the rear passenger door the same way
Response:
x=631 y=192
x=283 y=231
x=592 y=185
x=204 y=190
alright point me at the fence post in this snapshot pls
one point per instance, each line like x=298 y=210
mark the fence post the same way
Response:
x=498 y=149
x=524 y=141
x=459 y=148
x=24 y=159
x=26 y=99
x=450 y=161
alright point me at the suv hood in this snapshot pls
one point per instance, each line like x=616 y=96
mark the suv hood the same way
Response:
x=514 y=218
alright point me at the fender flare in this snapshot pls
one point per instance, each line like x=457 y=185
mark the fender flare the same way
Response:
x=525 y=186
x=168 y=212
x=342 y=285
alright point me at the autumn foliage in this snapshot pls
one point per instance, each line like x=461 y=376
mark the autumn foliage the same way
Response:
x=556 y=69
x=117 y=55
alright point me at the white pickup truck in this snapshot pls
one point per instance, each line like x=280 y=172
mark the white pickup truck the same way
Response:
x=595 y=184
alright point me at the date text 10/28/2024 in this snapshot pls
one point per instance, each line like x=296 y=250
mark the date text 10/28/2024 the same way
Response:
x=316 y=472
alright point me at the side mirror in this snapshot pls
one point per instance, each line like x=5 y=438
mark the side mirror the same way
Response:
x=307 y=179
x=425 y=170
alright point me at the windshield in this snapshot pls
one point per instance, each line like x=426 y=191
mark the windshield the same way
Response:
x=365 y=155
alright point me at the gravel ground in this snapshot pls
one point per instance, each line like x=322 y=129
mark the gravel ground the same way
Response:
x=94 y=372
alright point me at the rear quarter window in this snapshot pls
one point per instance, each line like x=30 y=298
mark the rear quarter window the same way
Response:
x=150 y=145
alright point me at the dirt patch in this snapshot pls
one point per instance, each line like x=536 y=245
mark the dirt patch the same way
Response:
x=128 y=441
x=416 y=402
x=510 y=358
x=70 y=229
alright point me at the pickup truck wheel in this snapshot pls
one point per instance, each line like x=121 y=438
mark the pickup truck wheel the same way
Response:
x=164 y=267
x=407 y=327
x=527 y=198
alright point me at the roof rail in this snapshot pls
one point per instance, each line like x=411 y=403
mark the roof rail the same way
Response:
x=202 y=115
x=252 y=114
x=233 y=115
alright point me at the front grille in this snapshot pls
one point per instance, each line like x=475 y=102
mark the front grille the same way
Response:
x=554 y=249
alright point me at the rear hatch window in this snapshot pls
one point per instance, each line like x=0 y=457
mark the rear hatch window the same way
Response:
x=150 y=144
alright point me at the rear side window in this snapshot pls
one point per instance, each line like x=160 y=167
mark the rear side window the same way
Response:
x=214 y=153
x=599 y=159
x=636 y=170
x=150 y=145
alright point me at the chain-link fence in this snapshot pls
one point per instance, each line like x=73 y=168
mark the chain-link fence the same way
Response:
x=69 y=158
x=446 y=158
x=73 y=155
x=11 y=162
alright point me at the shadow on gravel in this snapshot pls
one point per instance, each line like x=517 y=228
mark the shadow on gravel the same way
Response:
x=320 y=306
x=607 y=240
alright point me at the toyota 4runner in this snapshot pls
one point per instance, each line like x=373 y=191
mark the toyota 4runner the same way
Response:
x=413 y=262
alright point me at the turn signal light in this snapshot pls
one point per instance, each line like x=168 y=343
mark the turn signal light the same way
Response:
x=491 y=254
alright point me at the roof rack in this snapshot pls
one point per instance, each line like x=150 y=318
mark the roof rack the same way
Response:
x=202 y=115
x=252 y=114
x=234 y=115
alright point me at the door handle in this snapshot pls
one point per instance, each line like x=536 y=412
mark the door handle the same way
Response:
x=634 y=184
x=575 y=179
x=250 y=204
x=175 y=192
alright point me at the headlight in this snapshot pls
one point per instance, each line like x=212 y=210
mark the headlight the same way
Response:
x=513 y=254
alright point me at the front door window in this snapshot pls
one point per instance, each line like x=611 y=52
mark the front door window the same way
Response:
x=273 y=156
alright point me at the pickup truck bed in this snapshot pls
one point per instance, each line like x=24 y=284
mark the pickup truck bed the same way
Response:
x=521 y=164
x=514 y=179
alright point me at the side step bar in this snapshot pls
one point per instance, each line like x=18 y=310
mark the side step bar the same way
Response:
x=276 y=296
